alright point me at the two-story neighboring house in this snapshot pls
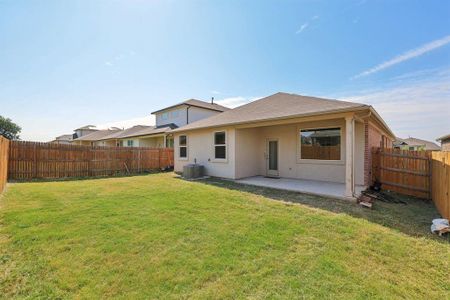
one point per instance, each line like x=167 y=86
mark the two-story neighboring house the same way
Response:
x=170 y=118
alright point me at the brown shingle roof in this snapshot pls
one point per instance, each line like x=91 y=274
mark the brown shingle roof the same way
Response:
x=197 y=103
x=276 y=106
x=152 y=130
x=418 y=142
x=92 y=127
x=96 y=135
x=126 y=133
x=443 y=137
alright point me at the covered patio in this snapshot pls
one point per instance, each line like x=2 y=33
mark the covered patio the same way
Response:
x=314 y=187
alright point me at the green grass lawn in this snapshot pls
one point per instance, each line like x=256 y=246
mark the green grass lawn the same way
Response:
x=157 y=236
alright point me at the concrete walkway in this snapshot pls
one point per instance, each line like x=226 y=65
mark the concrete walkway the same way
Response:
x=315 y=187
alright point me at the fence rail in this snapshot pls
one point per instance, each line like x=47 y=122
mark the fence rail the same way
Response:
x=4 y=150
x=441 y=182
x=403 y=171
x=32 y=160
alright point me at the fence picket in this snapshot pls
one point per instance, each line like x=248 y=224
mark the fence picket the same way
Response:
x=31 y=160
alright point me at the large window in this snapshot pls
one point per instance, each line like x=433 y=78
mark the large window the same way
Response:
x=130 y=143
x=220 y=148
x=322 y=144
x=164 y=116
x=182 y=151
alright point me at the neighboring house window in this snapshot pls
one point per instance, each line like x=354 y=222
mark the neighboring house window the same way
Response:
x=411 y=148
x=321 y=144
x=130 y=143
x=220 y=148
x=169 y=142
x=164 y=116
x=183 y=146
x=174 y=114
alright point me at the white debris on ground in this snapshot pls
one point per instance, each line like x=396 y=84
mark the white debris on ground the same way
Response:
x=440 y=226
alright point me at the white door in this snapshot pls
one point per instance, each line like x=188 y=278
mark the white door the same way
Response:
x=272 y=157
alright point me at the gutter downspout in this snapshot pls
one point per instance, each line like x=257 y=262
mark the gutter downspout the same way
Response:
x=187 y=114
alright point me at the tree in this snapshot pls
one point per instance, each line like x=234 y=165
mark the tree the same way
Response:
x=9 y=129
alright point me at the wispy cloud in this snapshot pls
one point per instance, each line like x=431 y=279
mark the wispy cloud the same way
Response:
x=406 y=56
x=416 y=104
x=303 y=27
x=119 y=57
x=306 y=24
x=215 y=92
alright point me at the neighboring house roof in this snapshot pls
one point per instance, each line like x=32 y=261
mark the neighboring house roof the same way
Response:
x=418 y=142
x=125 y=133
x=278 y=106
x=445 y=137
x=399 y=141
x=91 y=127
x=64 y=137
x=96 y=135
x=153 y=130
x=196 y=103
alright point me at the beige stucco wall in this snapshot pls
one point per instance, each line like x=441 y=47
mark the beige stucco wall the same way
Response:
x=250 y=148
x=249 y=152
x=155 y=142
x=201 y=150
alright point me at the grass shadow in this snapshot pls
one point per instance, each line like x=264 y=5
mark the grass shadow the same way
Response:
x=117 y=175
x=413 y=219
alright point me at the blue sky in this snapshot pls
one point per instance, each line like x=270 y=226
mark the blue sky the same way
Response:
x=64 y=64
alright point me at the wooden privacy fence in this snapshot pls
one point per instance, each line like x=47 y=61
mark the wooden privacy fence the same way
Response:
x=403 y=171
x=424 y=174
x=32 y=160
x=440 y=188
x=4 y=150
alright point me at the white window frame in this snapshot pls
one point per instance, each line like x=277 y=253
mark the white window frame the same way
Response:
x=184 y=146
x=128 y=143
x=215 y=145
x=320 y=161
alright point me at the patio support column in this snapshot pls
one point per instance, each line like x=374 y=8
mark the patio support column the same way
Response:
x=349 y=156
x=164 y=143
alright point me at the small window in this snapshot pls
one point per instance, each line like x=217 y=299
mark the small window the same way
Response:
x=182 y=146
x=174 y=114
x=130 y=143
x=220 y=148
x=164 y=116
x=321 y=144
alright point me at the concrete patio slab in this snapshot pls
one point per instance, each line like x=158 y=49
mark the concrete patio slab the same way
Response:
x=315 y=187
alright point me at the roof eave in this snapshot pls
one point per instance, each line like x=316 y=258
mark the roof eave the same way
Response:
x=353 y=109
x=189 y=105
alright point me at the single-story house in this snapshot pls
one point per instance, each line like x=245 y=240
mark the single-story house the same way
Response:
x=63 y=139
x=445 y=142
x=287 y=136
x=116 y=139
x=414 y=144
x=92 y=138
